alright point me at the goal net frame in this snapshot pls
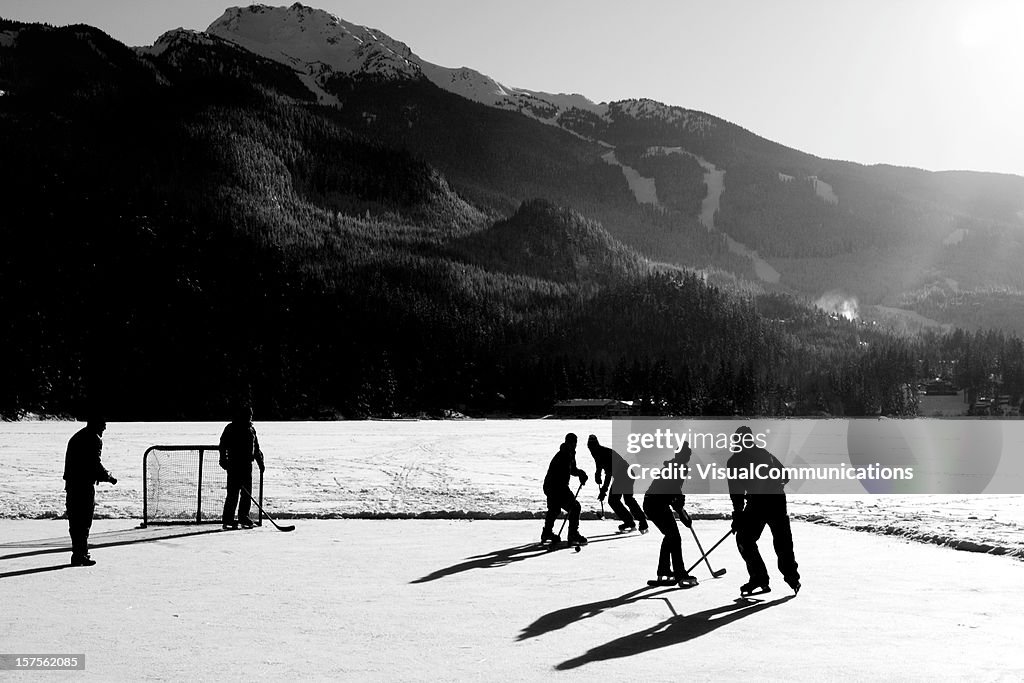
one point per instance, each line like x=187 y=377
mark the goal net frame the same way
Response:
x=200 y=476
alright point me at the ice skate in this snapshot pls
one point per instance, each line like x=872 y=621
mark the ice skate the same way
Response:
x=666 y=580
x=549 y=537
x=577 y=539
x=754 y=588
x=687 y=581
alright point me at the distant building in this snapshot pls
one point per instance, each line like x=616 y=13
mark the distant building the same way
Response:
x=593 y=407
x=939 y=387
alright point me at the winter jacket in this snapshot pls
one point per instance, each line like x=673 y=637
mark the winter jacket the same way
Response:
x=610 y=466
x=562 y=466
x=82 y=464
x=755 y=491
x=239 y=446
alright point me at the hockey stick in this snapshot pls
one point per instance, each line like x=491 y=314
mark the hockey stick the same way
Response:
x=566 y=518
x=602 y=508
x=287 y=527
x=705 y=555
x=720 y=572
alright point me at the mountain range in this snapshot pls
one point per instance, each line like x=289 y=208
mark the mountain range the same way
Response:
x=937 y=245
x=292 y=205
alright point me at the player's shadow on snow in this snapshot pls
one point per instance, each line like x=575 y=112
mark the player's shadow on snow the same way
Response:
x=35 y=570
x=559 y=619
x=103 y=539
x=674 y=630
x=505 y=556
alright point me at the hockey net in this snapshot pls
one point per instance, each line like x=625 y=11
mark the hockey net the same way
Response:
x=186 y=485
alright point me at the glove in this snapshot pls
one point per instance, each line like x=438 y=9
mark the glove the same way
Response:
x=262 y=467
x=583 y=478
x=737 y=520
x=601 y=495
x=112 y=479
x=684 y=517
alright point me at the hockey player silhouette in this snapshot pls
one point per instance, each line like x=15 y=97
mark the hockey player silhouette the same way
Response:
x=560 y=496
x=239 y=447
x=613 y=468
x=83 y=469
x=757 y=503
x=664 y=495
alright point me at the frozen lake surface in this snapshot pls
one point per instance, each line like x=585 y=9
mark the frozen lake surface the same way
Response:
x=430 y=600
x=441 y=599
x=473 y=468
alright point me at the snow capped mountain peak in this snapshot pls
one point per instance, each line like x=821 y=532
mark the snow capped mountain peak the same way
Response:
x=314 y=41
x=479 y=87
x=318 y=44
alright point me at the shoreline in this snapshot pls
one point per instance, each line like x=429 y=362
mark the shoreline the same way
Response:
x=905 y=531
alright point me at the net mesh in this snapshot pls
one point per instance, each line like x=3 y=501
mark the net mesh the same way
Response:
x=185 y=484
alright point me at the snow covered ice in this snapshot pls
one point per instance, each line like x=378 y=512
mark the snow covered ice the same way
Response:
x=475 y=468
x=438 y=599
x=472 y=600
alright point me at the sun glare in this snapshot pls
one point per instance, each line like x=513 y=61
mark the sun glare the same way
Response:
x=990 y=26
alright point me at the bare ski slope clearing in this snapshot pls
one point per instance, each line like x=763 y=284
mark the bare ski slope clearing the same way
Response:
x=458 y=600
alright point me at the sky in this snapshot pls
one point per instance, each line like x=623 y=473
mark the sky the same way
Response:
x=934 y=84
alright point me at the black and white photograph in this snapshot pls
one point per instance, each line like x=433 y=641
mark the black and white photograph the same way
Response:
x=432 y=340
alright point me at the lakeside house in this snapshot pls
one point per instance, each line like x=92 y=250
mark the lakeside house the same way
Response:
x=593 y=407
